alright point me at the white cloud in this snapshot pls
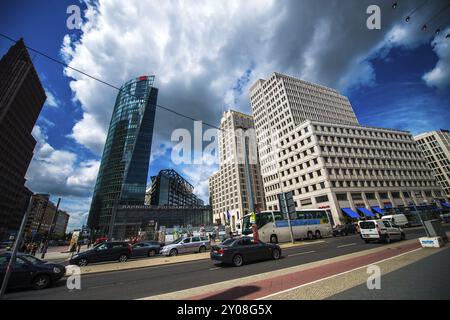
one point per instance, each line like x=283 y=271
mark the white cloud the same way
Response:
x=51 y=100
x=439 y=76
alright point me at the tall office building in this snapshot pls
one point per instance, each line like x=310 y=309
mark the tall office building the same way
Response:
x=310 y=143
x=169 y=188
x=231 y=187
x=21 y=99
x=122 y=176
x=435 y=146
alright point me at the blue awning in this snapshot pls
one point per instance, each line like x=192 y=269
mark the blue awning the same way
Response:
x=351 y=213
x=446 y=204
x=366 y=212
x=378 y=209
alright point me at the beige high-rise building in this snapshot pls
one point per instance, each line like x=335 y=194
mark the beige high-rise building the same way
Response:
x=435 y=146
x=310 y=140
x=229 y=187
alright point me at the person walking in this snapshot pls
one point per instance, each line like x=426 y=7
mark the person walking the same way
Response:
x=34 y=249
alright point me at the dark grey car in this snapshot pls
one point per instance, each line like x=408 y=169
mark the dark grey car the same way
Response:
x=241 y=250
x=146 y=249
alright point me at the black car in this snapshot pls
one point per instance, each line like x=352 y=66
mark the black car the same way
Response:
x=106 y=251
x=241 y=250
x=345 y=229
x=145 y=249
x=30 y=271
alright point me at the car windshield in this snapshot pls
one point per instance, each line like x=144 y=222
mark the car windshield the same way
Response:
x=32 y=259
x=228 y=242
x=367 y=225
x=177 y=241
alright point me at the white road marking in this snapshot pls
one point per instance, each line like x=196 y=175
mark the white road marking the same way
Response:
x=346 y=245
x=336 y=275
x=299 y=253
x=214 y=268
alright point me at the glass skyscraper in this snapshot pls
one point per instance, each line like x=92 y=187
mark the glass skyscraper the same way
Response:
x=122 y=176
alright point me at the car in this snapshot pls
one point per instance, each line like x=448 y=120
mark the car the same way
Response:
x=380 y=230
x=30 y=271
x=345 y=229
x=145 y=249
x=237 y=251
x=106 y=251
x=398 y=219
x=100 y=240
x=187 y=245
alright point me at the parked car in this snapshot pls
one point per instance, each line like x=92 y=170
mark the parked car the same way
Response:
x=30 y=271
x=186 y=245
x=344 y=229
x=398 y=219
x=380 y=230
x=106 y=251
x=145 y=249
x=238 y=251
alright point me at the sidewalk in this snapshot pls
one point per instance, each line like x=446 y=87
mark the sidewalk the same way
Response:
x=316 y=280
x=163 y=260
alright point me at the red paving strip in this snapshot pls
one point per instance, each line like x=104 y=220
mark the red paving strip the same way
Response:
x=262 y=288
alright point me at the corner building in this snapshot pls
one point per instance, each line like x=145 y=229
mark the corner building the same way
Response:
x=310 y=139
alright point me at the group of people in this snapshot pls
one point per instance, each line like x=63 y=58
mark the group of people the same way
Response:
x=32 y=248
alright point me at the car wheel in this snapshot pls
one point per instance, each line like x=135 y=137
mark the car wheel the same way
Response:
x=310 y=235
x=403 y=236
x=318 y=235
x=273 y=239
x=276 y=254
x=83 y=262
x=151 y=253
x=238 y=260
x=173 y=252
x=387 y=239
x=123 y=258
x=42 y=281
x=367 y=241
x=202 y=249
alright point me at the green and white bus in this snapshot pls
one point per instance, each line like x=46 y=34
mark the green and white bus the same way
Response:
x=273 y=226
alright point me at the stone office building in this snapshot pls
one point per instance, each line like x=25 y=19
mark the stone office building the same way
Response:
x=310 y=139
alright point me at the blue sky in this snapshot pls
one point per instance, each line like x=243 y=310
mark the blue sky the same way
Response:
x=205 y=55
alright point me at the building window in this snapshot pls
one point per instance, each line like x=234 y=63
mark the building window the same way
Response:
x=322 y=199
x=341 y=196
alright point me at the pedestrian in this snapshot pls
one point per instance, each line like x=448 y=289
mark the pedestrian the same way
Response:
x=29 y=248
x=34 y=249
x=79 y=246
x=89 y=243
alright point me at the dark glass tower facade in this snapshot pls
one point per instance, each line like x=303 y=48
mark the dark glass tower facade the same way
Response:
x=21 y=99
x=122 y=176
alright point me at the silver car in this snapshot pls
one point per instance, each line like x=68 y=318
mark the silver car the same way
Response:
x=186 y=245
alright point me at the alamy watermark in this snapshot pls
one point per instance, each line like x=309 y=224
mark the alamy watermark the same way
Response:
x=373 y=22
x=374 y=279
x=74 y=277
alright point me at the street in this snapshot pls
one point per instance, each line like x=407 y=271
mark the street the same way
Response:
x=144 y=282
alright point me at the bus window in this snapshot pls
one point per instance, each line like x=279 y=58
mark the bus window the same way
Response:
x=278 y=216
x=300 y=215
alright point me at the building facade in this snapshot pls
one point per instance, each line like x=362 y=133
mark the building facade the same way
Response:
x=122 y=175
x=130 y=220
x=236 y=189
x=435 y=146
x=310 y=143
x=169 y=188
x=62 y=220
x=21 y=99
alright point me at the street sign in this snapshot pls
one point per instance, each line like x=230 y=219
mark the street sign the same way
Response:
x=286 y=203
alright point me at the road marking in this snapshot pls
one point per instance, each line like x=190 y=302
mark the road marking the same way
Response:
x=336 y=275
x=346 y=245
x=214 y=268
x=299 y=253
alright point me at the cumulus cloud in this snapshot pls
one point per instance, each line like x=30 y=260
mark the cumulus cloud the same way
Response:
x=439 y=76
x=206 y=54
x=51 y=101
x=57 y=171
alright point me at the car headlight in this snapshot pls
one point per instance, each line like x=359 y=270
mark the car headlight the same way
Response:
x=56 y=270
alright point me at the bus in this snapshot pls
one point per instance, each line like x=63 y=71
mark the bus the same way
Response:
x=273 y=226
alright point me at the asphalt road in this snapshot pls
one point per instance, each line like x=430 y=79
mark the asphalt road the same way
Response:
x=139 y=283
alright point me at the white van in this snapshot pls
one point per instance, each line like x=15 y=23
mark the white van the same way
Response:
x=380 y=230
x=398 y=219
